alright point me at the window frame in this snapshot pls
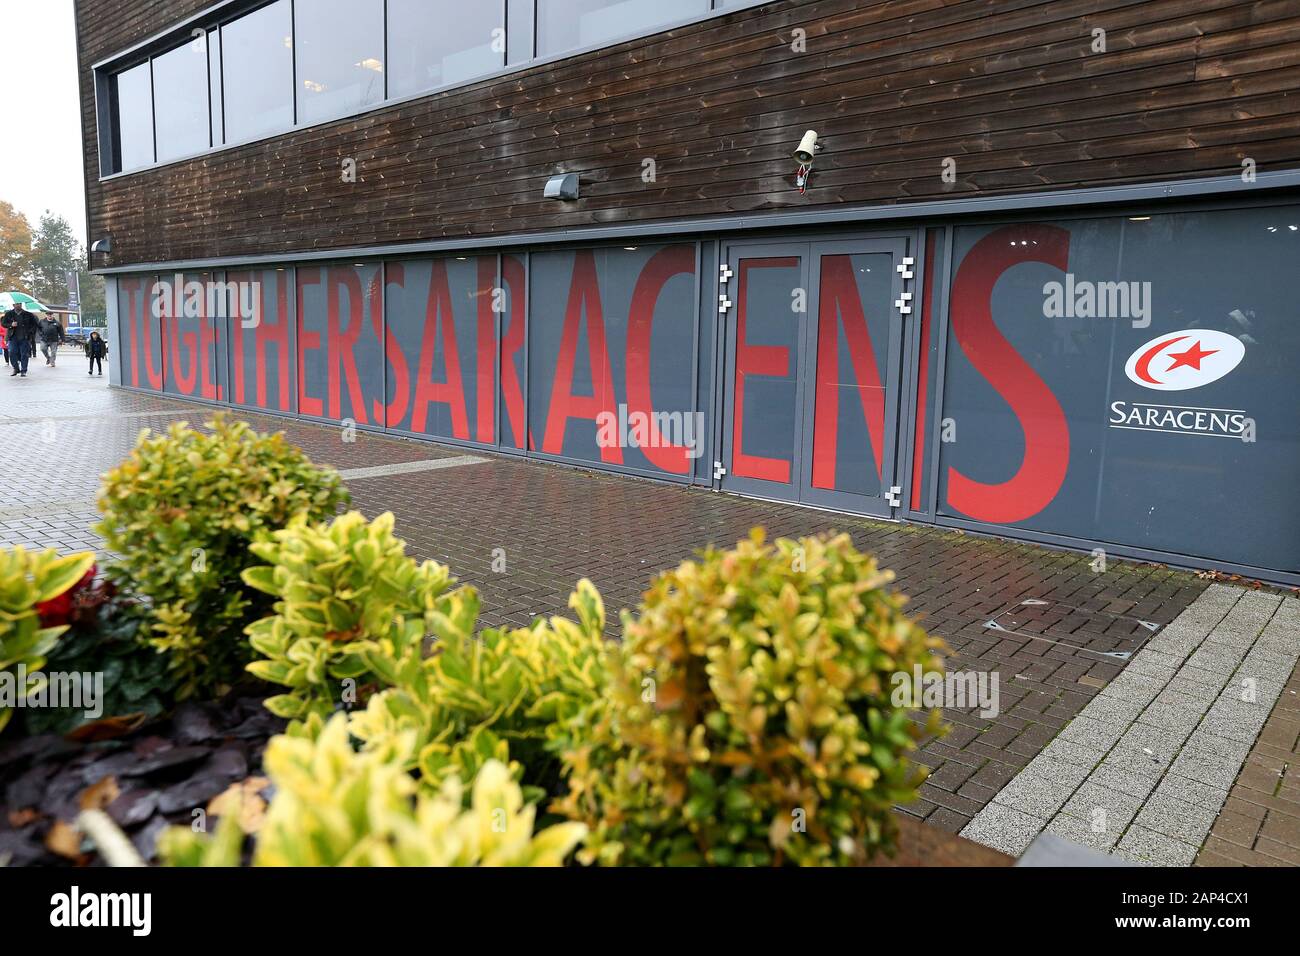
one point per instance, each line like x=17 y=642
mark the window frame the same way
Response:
x=224 y=12
x=219 y=28
x=153 y=94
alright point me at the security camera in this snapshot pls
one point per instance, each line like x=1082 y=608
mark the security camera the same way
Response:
x=808 y=148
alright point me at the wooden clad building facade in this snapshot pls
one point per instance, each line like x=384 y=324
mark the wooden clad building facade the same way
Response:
x=1028 y=219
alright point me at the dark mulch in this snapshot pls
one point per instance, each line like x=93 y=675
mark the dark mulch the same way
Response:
x=164 y=771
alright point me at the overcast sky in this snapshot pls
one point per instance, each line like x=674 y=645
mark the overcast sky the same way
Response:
x=39 y=102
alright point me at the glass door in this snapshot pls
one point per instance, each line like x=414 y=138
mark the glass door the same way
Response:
x=814 y=346
x=854 y=366
x=765 y=300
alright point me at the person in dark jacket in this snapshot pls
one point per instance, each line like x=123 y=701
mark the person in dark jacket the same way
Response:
x=96 y=349
x=52 y=336
x=20 y=328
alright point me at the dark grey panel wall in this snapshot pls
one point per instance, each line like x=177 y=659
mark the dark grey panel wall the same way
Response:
x=340 y=356
x=260 y=334
x=1169 y=423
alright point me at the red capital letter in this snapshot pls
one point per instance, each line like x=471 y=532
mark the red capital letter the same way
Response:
x=1047 y=434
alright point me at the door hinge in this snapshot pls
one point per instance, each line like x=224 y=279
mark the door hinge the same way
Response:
x=905 y=270
x=895 y=497
x=902 y=304
x=719 y=471
x=724 y=273
x=724 y=304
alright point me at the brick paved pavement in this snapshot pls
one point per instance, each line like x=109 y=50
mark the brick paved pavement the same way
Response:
x=1260 y=821
x=558 y=524
x=1144 y=770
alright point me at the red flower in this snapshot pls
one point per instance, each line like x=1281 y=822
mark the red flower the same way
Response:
x=59 y=611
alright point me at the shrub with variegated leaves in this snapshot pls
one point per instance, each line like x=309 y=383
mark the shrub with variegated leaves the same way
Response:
x=336 y=807
x=434 y=694
x=525 y=684
x=29 y=579
x=181 y=512
x=350 y=606
x=747 y=718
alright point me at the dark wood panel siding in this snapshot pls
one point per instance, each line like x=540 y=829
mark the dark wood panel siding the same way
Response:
x=1010 y=89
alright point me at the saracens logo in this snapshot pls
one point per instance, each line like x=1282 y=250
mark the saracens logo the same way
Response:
x=1177 y=361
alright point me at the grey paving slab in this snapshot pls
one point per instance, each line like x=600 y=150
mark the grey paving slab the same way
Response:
x=1155 y=849
x=1174 y=728
x=1157 y=663
x=1103 y=807
x=1217 y=658
x=1134 y=686
x=1159 y=743
x=1129 y=771
x=1191 y=791
x=1206 y=766
x=1079 y=755
x=1190 y=689
x=1184 y=821
x=1004 y=828
x=1083 y=833
x=1236 y=719
x=411 y=467
x=1176 y=718
x=1086 y=731
x=1043 y=787
x=1110 y=710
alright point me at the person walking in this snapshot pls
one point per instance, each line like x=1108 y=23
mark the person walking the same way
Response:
x=52 y=336
x=96 y=349
x=20 y=329
x=4 y=342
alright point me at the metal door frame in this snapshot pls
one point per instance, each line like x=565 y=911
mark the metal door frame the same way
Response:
x=731 y=256
x=893 y=378
x=809 y=249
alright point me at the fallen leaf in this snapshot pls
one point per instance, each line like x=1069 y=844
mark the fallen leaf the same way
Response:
x=100 y=795
x=243 y=799
x=110 y=728
x=65 y=840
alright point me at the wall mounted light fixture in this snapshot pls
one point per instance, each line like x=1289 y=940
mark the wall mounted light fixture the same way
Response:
x=562 y=187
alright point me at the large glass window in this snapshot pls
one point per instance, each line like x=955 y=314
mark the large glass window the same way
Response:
x=134 y=117
x=1108 y=378
x=569 y=24
x=214 y=79
x=180 y=82
x=520 y=27
x=610 y=339
x=340 y=57
x=293 y=63
x=428 y=49
x=257 y=52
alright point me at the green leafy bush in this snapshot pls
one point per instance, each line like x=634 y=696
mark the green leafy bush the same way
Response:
x=525 y=684
x=748 y=720
x=104 y=638
x=181 y=512
x=29 y=579
x=441 y=698
x=349 y=605
x=335 y=807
